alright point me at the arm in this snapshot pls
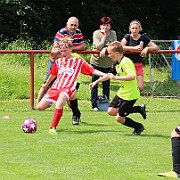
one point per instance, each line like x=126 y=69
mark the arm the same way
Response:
x=55 y=51
x=99 y=40
x=129 y=48
x=150 y=47
x=101 y=79
x=49 y=80
x=82 y=46
x=129 y=77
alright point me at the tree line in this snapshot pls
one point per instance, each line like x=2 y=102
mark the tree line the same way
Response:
x=40 y=20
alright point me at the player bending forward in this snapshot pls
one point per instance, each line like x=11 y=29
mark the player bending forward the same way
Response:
x=123 y=103
x=67 y=70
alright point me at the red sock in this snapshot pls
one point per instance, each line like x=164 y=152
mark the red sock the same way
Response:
x=56 y=118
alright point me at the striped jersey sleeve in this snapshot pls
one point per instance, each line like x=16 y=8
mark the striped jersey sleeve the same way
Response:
x=77 y=36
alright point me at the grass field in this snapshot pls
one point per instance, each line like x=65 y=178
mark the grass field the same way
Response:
x=99 y=148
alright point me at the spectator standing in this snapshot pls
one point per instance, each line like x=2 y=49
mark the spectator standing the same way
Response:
x=101 y=38
x=137 y=41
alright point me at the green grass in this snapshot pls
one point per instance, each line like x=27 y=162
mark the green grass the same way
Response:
x=99 y=148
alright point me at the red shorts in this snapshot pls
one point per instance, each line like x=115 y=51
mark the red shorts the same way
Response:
x=139 y=69
x=53 y=94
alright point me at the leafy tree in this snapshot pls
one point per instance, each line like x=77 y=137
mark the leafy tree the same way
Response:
x=40 y=20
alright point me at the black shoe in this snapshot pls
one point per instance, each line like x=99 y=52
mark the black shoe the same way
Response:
x=139 y=130
x=75 y=120
x=143 y=111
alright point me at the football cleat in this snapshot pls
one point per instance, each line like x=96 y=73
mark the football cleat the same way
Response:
x=75 y=120
x=52 y=131
x=170 y=174
x=139 y=130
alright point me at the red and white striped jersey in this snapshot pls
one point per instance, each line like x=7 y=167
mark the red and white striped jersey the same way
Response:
x=67 y=71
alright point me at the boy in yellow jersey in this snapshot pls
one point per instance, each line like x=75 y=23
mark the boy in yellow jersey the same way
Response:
x=123 y=103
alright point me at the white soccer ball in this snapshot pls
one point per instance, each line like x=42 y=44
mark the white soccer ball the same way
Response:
x=29 y=126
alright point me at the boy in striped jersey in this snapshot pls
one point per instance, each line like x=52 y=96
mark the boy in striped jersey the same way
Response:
x=66 y=71
x=71 y=30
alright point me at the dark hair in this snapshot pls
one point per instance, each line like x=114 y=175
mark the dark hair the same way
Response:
x=105 y=20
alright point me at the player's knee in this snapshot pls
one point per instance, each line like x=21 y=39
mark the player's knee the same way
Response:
x=120 y=119
x=40 y=107
x=112 y=111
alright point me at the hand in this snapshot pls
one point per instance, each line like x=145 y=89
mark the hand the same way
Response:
x=111 y=76
x=44 y=87
x=91 y=85
x=138 y=47
x=55 y=52
x=144 y=52
x=103 y=52
x=103 y=32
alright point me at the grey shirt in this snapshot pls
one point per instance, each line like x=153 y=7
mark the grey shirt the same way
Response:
x=99 y=43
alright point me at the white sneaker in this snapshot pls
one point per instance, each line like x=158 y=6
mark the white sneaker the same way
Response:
x=95 y=109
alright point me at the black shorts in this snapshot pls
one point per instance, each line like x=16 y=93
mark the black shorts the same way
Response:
x=124 y=106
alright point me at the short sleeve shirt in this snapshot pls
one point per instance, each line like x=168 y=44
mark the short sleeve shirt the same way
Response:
x=77 y=36
x=128 y=89
x=131 y=42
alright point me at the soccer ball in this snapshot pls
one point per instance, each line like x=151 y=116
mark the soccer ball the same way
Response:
x=29 y=126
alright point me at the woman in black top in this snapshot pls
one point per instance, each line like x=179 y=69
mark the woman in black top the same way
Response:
x=136 y=41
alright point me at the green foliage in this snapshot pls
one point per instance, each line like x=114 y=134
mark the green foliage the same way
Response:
x=99 y=148
x=40 y=20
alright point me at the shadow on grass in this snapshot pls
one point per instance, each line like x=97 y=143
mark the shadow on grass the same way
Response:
x=80 y=131
x=163 y=111
x=91 y=124
x=150 y=135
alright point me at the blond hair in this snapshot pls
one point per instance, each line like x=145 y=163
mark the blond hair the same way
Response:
x=65 y=42
x=135 y=21
x=116 y=46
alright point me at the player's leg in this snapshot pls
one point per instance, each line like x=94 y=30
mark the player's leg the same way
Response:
x=123 y=108
x=49 y=98
x=175 y=141
x=113 y=106
x=176 y=154
x=73 y=103
x=42 y=92
x=138 y=109
x=42 y=105
x=62 y=99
